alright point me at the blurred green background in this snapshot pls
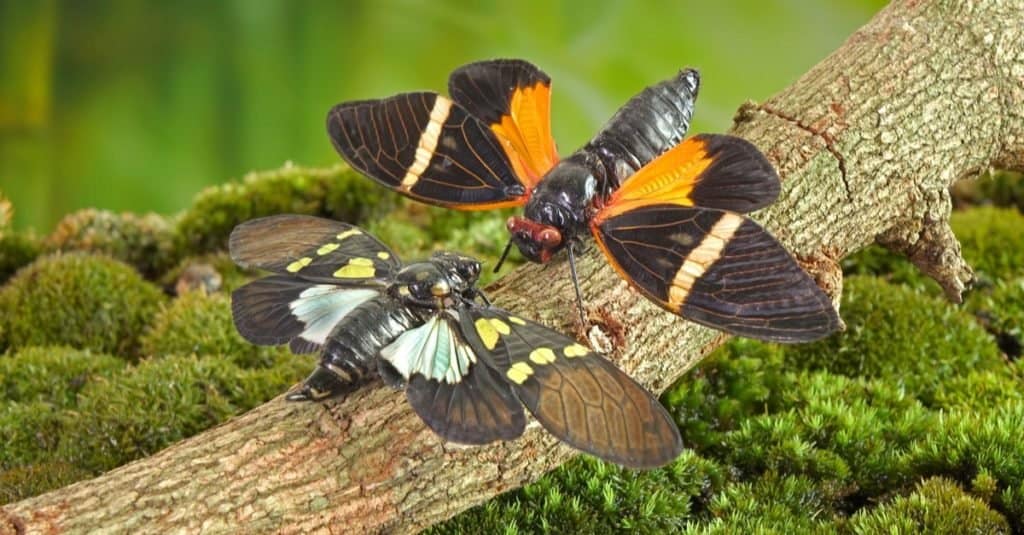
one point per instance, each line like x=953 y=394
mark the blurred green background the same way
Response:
x=136 y=105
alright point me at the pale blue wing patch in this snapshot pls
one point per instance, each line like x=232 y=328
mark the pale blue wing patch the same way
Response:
x=280 y=309
x=433 y=350
x=322 y=306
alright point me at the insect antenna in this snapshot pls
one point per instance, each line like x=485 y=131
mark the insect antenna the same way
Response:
x=504 y=254
x=576 y=284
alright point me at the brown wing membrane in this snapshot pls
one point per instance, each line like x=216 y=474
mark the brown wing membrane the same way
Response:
x=479 y=409
x=427 y=147
x=513 y=97
x=709 y=170
x=576 y=394
x=312 y=248
x=719 y=269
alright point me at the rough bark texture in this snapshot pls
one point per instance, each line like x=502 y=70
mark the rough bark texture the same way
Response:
x=867 y=142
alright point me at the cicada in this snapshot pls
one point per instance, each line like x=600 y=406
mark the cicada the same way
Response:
x=669 y=213
x=467 y=367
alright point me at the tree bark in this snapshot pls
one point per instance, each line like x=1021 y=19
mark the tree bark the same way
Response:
x=867 y=142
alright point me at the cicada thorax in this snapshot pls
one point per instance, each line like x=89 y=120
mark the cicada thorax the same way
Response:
x=349 y=357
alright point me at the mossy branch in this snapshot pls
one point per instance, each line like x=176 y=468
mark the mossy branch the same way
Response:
x=868 y=142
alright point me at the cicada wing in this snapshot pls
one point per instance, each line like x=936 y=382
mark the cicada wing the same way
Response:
x=427 y=147
x=717 y=268
x=575 y=393
x=512 y=97
x=459 y=397
x=312 y=248
x=707 y=170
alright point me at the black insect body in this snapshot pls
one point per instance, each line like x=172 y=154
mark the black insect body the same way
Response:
x=467 y=368
x=668 y=213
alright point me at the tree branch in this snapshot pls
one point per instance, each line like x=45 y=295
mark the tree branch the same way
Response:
x=867 y=142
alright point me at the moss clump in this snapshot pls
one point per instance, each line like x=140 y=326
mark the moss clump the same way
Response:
x=1000 y=188
x=145 y=242
x=29 y=432
x=770 y=504
x=590 y=496
x=1000 y=309
x=84 y=301
x=17 y=250
x=894 y=268
x=161 y=401
x=878 y=316
x=992 y=241
x=26 y=481
x=339 y=193
x=938 y=505
x=201 y=324
x=52 y=374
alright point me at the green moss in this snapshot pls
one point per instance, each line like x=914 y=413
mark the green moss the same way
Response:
x=876 y=344
x=17 y=250
x=739 y=380
x=161 y=401
x=84 y=301
x=999 y=188
x=1000 y=309
x=338 y=193
x=878 y=261
x=201 y=324
x=26 y=481
x=52 y=374
x=992 y=241
x=145 y=242
x=29 y=432
x=590 y=496
x=771 y=504
x=938 y=505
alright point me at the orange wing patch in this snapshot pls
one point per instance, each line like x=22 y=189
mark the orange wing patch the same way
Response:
x=525 y=133
x=669 y=179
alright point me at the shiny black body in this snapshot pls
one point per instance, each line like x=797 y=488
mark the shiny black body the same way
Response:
x=349 y=358
x=350 y=354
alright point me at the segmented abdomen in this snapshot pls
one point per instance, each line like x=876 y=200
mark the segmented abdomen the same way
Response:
x=354 y=344
x=648 y=125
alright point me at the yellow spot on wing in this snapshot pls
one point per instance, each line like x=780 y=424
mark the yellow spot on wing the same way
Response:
x=359 y=261
x=575 y=350
x=299 y=264
x=542 y=355
x=519 y=372
x=383 y=255
x=327 y=248
x=355 y=271
x=500 y=326
x=488 y=335
x=347 y=233
x=517 y=321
